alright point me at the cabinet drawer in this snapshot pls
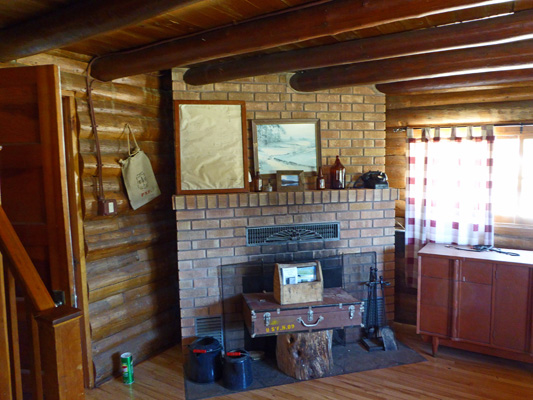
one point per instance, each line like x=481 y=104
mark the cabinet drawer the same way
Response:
x=435 y=320
x=476 y=272
x=436 y=292
x=437 y=267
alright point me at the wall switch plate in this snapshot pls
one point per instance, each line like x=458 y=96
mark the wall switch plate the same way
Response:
x=107 y=207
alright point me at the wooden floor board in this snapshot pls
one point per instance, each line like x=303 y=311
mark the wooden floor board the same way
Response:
x=452 y=375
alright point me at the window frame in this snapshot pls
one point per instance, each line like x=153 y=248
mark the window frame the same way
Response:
x=521 y=132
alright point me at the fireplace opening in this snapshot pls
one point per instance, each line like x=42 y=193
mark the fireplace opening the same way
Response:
x=348 y=271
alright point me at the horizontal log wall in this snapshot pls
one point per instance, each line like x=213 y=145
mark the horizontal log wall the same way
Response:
x=131 y=257
x=499 y=105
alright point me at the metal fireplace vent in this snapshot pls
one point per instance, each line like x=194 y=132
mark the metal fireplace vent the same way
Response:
x=210 y=326
x=279 y=234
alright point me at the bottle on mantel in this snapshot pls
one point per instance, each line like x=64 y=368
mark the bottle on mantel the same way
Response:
x=320 y=180
x=338 y=175
x=257 y=183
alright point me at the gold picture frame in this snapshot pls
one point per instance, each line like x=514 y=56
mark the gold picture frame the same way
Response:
x=211 y=147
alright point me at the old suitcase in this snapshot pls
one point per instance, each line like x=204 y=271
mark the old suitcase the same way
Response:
x=264 y=316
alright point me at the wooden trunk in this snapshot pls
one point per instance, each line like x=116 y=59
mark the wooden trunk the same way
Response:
x=263 y=316
x=305 y=356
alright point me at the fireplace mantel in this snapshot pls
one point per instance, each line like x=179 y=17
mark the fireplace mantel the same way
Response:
x=211 y=231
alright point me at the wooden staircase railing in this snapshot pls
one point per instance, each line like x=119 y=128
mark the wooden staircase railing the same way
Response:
x=54 y=332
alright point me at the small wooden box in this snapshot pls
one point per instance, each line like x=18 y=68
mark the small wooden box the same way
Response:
x=303 y=292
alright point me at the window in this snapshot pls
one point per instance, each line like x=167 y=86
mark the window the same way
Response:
x=513 y=175
x=449 y=190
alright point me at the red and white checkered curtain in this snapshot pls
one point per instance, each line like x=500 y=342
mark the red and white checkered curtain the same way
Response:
x=449 y=190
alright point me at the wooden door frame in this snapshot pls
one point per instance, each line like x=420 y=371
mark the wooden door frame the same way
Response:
x=75 y=202
x=49 y=128
x=52 y=137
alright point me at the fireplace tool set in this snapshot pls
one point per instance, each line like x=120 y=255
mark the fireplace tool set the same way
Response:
x=377 y=334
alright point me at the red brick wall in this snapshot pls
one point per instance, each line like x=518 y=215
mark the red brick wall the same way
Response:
x=212 y=232
x=211 y=229
x=352 y=119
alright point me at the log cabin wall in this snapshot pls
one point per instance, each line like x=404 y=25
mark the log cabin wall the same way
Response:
x=466 y=106
x=211 y=229
x=130 y=257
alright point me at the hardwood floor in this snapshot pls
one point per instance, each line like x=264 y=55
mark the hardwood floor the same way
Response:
x=452 y=375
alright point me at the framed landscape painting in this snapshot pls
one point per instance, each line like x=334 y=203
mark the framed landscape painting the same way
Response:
x=289 y=181
x=289 y=144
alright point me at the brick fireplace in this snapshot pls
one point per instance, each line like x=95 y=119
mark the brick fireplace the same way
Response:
x=211 y=231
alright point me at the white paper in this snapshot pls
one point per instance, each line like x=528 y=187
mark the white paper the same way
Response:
x=211 y=149
x=289 y=275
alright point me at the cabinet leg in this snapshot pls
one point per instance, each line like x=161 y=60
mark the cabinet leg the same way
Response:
x=434 y=345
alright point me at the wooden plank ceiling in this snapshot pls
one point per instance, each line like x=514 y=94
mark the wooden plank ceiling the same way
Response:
x=227 y=39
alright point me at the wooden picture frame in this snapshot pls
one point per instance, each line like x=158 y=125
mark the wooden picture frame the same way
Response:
x=280 y=144
x=211 y=147
x=290 y=181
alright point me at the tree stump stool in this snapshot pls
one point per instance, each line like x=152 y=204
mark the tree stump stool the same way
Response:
x=305 y=355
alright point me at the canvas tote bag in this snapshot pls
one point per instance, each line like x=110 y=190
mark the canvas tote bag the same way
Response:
x=138 y=175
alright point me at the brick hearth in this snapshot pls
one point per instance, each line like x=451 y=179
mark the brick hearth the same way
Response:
x=212 y=232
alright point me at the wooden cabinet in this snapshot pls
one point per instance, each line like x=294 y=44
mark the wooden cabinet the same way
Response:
x=477 y=301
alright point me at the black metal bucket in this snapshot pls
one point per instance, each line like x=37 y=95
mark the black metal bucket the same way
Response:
x=205 y=360
x=237 y=371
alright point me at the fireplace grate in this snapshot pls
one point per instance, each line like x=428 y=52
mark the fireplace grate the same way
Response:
x=210 y=326
x=279 y=234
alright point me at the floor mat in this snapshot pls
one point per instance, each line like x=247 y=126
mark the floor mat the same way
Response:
x=348 y=359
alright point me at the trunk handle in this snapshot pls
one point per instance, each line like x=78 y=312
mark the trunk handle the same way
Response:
x=300 y=320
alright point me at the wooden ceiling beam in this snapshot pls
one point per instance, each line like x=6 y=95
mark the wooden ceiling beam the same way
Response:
x=72 y=23
x=474 y=96
x=480 y=81
x=492 y=30
x=328 y=18
x=455 y=62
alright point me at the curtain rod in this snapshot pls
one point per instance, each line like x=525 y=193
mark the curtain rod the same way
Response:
x=400 y=129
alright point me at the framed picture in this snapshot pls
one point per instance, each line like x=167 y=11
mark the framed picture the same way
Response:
x=286 y=144
x=306 y=274
x=289 y=181
x=211 y=147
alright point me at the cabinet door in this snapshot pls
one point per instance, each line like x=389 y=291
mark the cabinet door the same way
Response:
x=511 y=299
x=473 y=313
x=435 y=296
x=474 y=301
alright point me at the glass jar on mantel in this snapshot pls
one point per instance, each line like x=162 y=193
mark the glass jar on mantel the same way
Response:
x=338 y=175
